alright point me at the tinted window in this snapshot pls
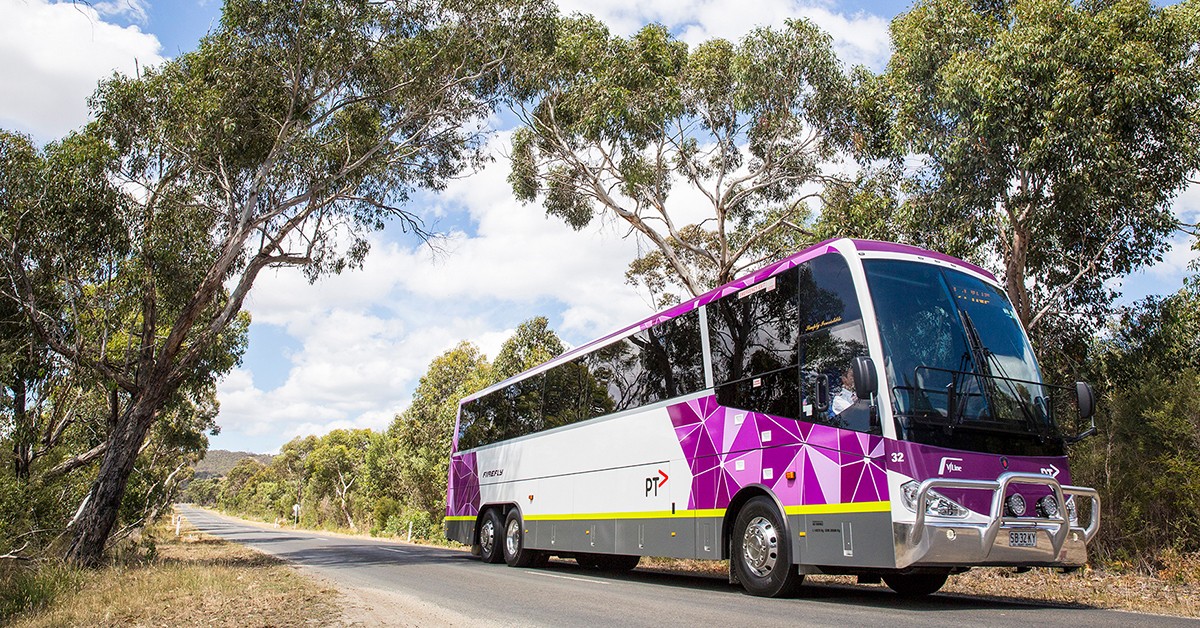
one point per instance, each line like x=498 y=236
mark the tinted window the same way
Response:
x=672 y=362
x=569 y=393
x=754 y=331
x=833 y=336
x=513 y=411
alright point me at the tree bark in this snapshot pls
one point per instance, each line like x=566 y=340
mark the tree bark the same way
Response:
x=22 y=436
x=96 y=520
x=1015 y=261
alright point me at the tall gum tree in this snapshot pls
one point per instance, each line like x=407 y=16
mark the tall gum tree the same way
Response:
x=1053 y=137
x=615 y=124
x=293 y=131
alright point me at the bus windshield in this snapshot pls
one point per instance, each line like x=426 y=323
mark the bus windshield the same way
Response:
x=961 y=370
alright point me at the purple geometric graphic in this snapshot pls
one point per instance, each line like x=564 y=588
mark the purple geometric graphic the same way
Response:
x=464 y=486
x=728 y=449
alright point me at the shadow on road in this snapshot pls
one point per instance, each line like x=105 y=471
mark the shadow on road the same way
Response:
x=824 y=592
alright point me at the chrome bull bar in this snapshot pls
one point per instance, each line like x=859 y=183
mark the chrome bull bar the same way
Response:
x=1061 y=525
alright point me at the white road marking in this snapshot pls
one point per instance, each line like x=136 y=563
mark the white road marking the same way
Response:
x=394 y=549
x=554 y=575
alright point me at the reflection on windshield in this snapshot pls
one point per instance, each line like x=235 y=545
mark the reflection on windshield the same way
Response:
x=956 y=357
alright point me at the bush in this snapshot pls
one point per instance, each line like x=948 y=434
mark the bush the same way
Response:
x=423 y=525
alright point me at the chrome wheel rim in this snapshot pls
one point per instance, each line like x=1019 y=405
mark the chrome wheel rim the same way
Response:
x=513 y=538
x=487 y=537
x=760 y=547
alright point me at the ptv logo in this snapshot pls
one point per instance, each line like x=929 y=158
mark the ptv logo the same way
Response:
x=654 y=483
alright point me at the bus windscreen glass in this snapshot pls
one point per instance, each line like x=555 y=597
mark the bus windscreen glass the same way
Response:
x=961 y=370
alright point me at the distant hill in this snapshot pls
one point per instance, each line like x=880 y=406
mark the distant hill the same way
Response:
x=218 y=462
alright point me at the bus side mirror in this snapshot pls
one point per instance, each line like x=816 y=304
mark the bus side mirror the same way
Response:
x=1086 y=398
x=866 y=380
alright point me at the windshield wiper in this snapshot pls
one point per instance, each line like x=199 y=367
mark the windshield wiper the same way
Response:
x=990 y=361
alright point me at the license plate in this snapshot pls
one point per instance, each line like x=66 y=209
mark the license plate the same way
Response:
x=1022 y=538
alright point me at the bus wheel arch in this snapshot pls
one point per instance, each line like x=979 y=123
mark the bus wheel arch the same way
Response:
x=736 y=504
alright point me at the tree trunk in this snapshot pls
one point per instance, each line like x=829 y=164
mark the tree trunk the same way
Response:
x=22 y=437
x=1015 y=261
x=96 y=520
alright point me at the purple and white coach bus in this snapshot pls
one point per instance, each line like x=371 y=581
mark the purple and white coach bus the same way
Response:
x=858 y=408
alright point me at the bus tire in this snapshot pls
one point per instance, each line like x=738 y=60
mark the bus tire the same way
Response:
x=490 y=537
x=515 y=552
x=617 y=563
x=915 y=584
x=762 y=552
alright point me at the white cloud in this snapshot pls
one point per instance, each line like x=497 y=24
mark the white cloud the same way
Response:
x=133 y=10
x=51 y=57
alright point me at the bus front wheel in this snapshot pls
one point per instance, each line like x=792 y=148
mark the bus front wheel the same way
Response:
x=515 y=552
x=489 y=537
x=761 y=551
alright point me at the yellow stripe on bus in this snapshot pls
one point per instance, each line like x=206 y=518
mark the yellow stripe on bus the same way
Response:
x=813 y=509
x=839 y=509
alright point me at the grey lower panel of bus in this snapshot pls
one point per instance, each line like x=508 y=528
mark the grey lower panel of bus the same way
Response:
x=834 y=540
x=673 y=537
x=848 y=540
x=461 y=531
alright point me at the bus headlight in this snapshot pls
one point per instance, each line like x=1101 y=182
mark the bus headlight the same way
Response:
x=1014 y=506
x=1072 y=513
x=1047 y=507
x=936 y=504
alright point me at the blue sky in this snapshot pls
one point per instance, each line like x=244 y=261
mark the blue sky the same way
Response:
x=348 y=351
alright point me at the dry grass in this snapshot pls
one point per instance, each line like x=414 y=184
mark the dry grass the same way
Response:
x=195 y=580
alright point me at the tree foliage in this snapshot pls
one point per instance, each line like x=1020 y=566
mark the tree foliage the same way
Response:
x=618 y=123
x=1049 y=135
x=290 y=133
x=1146 y=460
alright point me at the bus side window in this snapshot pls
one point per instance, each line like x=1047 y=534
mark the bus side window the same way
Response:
x=833 y=336
x=671 y=359
x=478 y=422
x=567 y=394
x=752 y=340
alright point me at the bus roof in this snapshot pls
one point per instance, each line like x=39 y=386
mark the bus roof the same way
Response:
x=795 y=259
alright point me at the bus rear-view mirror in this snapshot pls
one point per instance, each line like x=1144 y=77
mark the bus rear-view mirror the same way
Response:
x=1086 y=398
x=866 y=379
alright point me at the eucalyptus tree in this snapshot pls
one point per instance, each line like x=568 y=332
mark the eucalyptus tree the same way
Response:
x=1051 y=136
x=337 y=467
x=618 y=123
x=293 y=131
x=421 y=436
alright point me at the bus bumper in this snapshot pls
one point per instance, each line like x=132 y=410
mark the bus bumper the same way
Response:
x=1002 y=540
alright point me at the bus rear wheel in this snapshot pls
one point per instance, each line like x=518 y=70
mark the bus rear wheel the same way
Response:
x=762 y=553
x=915 y=584
x=515 y=552
x=489 y=537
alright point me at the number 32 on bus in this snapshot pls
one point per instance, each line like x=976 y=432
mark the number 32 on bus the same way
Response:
x=860 y=408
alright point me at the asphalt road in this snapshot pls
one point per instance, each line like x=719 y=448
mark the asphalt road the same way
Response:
x=420 y=585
